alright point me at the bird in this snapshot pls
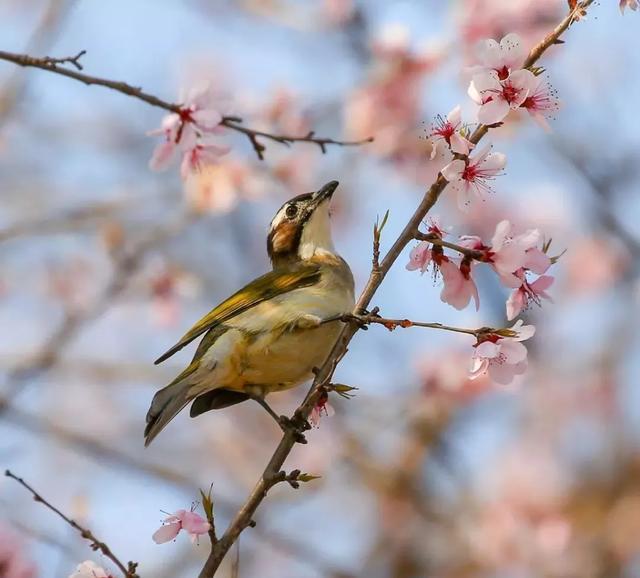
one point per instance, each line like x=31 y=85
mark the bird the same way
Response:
x=273 y=333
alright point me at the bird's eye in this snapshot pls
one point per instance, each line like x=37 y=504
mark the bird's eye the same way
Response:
x=291 y=211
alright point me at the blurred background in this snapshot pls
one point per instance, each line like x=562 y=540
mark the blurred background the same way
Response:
x=424 y=474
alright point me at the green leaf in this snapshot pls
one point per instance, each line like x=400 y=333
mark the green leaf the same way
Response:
x=207 y=503
x=343 y=390
x=307 y=477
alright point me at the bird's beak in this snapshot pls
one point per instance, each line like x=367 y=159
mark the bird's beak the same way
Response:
x=325 y=192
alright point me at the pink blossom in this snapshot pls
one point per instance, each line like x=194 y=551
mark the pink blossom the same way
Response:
x=420 y=257
x=13 y=563
x=521 y=297
x=187 y=130
x=502 y=357
x=541 y=102
x=192 y=523
x=497 y=97
x=89 y=569
x=322 y=407
x=199 y=155
x=632 y=4
x=449 y=130
x=468 y=178
x=459 y=287
x=510 y=253
x=501 y=57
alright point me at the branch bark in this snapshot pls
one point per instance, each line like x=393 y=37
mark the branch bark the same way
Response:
x=231 y=122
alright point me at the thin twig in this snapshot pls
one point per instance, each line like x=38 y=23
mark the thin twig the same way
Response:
x=323 y=376
x=128 y=570
x=435 y=240
x=231 y=122
x=392 y=324
x=73 y=60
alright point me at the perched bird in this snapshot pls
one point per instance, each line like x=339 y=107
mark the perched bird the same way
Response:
x=270 y=334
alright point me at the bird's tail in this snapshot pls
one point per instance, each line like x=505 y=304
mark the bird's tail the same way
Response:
x=166 y=404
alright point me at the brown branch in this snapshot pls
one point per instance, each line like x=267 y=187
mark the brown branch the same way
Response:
x=73 y=60
x=392 y=324
x=246 y=513
x=435 y=240
x=231 y=122
x=129 y=571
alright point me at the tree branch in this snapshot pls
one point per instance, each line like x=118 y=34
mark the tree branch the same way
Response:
x=435 y=240
x=231 y=122
x=246 y=513
x=128 y=570
x=392 y=324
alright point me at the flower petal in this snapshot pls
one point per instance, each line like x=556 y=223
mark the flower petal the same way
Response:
x=453 y=170
x=479 y=366
x=536 y=261
x=493 y=111
x=166 y=533
x=162 y=156
x=488 y=349
x=460 y=145
x=193 y=523
x=512 y=350
x=524 y=331
x=502 y=373
x=515 y=303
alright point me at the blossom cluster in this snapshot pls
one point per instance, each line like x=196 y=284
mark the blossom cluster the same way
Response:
x=513 y=257
x=500 y=83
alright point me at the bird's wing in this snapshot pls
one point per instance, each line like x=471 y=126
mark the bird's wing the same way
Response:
x=261 y=289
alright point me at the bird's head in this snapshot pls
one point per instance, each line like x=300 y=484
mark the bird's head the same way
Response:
x=301 y=227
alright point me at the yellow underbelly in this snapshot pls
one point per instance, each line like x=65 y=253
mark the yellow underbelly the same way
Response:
x=287 y=360
x=264 y=363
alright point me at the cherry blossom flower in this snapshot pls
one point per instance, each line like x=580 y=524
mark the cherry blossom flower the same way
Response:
x=469 y=178
x=13 y=563
x=199 y=155
x=449 y=130
x=497 y=97
x=502 y=357
x=420 y=256
x=189 y=521
x=541 y=102
x=632 y=4
x=521 y=297
x=459 y=287
x=322 y=407
x=510 y=252
x=189 y=131
x=89 y=569
x=502 y=57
